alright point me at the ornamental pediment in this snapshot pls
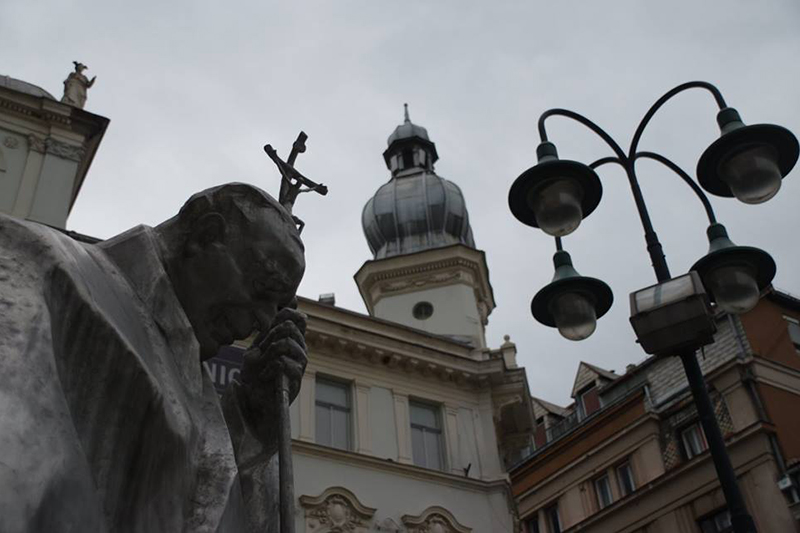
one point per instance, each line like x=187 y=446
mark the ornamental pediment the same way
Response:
x=434 y=520
x=336 y=510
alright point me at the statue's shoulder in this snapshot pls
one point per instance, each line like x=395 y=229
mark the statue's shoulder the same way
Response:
x=24 y=241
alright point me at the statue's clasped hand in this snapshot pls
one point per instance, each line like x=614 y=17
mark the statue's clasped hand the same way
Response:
x=279 y=351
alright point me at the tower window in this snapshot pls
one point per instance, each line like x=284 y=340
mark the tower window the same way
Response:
x=422 y=310
x=408 y=159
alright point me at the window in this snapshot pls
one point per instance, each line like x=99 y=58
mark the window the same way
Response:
x=426 y=436
x=603 y=490
x=694 y=442
x=719 y=522
x=333 y=414
x=625 y=479
x=588 y=402
x=408 y=159
x=794 y=331
x=422 y=310
x=553 y=522
x=532 y=524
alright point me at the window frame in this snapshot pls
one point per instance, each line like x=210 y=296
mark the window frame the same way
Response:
x=622 y=491
x=791 y=321
x=712 y=518
x=581 y=405
x=348 y=410
x=550 y=512
x=596 y=483
x=532 y=523
x=436 y=408
x=690 y=453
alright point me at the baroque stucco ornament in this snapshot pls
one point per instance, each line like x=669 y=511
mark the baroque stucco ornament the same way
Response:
x=336 y=510
x=434 y=520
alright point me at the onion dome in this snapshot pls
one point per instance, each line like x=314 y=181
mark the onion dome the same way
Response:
x=14 y=84
x=416 y=210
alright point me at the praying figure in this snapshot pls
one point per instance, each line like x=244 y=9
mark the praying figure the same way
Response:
x=108 y=421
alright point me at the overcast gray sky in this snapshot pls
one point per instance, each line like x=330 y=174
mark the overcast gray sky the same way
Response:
x=195 y=88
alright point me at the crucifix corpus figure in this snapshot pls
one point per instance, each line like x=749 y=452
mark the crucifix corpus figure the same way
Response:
x=108 y=420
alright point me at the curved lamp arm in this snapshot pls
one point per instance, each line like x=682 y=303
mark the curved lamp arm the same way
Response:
x=583 y=120
x=685 y=177
x=663 y=100
x=605 y=160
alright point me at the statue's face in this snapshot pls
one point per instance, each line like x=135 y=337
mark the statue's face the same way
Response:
x=236 y=284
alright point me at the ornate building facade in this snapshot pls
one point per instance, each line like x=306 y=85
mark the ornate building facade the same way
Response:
x=406 y=420
x=629 y=454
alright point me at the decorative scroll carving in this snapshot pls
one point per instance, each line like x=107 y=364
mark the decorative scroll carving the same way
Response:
x=64 y=150
x=11 y=142
x=389 y=525
x=36 y=143
x=337 y=510
x=434 y=520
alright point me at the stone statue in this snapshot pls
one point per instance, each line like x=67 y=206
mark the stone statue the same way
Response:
x=108 y=421
x=76 y=86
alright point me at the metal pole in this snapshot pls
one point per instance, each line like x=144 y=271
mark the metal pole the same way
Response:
x=740 y=519
x=285 y=470
x=653 y=245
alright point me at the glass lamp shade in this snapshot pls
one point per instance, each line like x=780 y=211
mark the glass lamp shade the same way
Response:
x=571 y=302
x=574 y=315
x=734 y=288
x=752 y=174
x=557 y=205
x=747 y=161
x=733 y=275
x=555 y=194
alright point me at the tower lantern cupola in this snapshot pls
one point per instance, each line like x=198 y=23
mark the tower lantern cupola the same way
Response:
x=426 y=272
x=410 y=149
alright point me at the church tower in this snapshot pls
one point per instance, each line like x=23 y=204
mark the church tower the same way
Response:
x=426 y=272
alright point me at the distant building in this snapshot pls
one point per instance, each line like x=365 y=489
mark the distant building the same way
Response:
x=46 y=148
x=629 y=454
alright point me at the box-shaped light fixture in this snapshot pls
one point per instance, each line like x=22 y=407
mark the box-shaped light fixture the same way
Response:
x=673 y=316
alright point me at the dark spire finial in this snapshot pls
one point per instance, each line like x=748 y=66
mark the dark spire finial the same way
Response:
x=407 y=120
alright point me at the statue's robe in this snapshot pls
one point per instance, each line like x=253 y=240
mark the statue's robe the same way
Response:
x=108 y=421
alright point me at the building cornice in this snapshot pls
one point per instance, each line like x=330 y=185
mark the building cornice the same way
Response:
x=400 y=274
x=344 y=334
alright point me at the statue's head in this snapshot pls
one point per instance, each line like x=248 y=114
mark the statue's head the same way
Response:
x=79 y=67
x=235 y=257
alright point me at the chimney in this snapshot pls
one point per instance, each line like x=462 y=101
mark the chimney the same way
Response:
x=327 y=298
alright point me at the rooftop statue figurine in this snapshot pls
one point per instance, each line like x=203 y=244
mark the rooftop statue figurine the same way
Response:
x=108 y=421
x=76 y=86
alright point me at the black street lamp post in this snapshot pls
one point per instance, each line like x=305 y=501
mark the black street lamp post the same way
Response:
x=747 y=161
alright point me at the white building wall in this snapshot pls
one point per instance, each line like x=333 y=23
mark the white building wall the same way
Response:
x=455 y=311
x=485 y=510
x=382 y=420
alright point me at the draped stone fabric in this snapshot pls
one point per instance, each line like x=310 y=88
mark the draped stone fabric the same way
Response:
x=108 y=421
